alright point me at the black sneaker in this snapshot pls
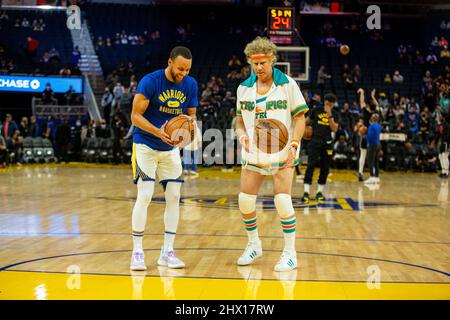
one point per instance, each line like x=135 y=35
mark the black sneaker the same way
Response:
x=305 y=197
x=320 y=197
x=360 y=177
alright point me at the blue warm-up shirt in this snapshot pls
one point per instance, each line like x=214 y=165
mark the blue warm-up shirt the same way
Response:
x=373 y=134
x=167 y=100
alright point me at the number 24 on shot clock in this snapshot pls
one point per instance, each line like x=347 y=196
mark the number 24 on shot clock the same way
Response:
x=280 y=21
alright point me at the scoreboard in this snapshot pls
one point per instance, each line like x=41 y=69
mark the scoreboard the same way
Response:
x=280 y=21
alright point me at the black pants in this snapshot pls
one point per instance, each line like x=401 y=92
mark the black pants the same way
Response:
x=316 y=150
x=372 y=158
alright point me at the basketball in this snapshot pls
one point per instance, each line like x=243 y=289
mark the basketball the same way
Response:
x=345 y=49
x=180 y=130
x=271 y=135
x=308 y=133
x=362 y=130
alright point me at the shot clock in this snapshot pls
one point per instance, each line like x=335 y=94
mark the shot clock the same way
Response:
x=280 y=21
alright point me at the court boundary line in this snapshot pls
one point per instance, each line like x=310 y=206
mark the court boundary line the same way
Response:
x=228 y=249
x=210 y=235
x=216 y=278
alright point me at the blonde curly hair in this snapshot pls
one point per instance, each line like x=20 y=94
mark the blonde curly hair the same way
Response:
x=261 y=45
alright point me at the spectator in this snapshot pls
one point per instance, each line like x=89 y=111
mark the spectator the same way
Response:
x=107 y=100
x=54 y=55
x=102 y=130
x=9 y=127
x=341 y=152
x=100 y=43
x=70 y=96
x=4 y=16
x=387 y=79
x=444 y=102
x=401 y=53
x=3 y=152
x=435 y=42
x=443 y=42
x=24 y=128
x=412 y=119
x=34 y=128
x=48 y=96
x=125 y=105
x=25 y=23
x=62 y=139
x=50 y=131
x=356 y=73
x=431 y=58
x=397 y=77
x=118 y=92
x=445 y=54
x=76 y=56
x=65 y=71
x=118 y=129
x=322 y=78
x=41 y=24
x=443 y=25
x=32 y=47
x=15 y=147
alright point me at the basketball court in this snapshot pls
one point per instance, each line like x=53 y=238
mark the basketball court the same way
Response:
x=65 y=234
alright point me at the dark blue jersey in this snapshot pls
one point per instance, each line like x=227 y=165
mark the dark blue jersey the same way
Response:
x=166 y=101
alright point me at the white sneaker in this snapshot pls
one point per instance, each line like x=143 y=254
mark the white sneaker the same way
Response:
x=253 y=251
x=186 y=172
x=194 y=173
x=168 y=259
x=371 y=180
x=138 y=261
x=377 y=180
x=288 y=261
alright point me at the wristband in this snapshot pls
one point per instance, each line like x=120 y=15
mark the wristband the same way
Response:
x=295 y=143
x=240 y=138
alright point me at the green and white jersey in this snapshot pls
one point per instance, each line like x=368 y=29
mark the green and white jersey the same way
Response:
x=283 y=102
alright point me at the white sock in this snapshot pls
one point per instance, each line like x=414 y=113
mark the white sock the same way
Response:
x=169 y=239
x=320 y=189
x=171 y=213
x=286 y=212
x=139 y=216
x=253 y=236
x=137 y=243
x=362 y=160
x=307 y=187
x=446 y=162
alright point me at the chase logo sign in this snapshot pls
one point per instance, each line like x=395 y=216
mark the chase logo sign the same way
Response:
x=38 y=84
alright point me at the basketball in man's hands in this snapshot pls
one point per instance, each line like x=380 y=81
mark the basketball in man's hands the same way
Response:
x=180 y=130
x=271 y=135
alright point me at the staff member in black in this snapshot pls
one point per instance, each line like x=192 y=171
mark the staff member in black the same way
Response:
x=444 y=143
x=324 y=121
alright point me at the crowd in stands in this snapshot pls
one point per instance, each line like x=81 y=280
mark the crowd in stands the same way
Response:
x=419 y=118
x=129 y=38
x=67 y=135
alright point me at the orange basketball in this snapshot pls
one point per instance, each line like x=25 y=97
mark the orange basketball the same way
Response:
x=345 y=49
x=307 y=135
x=271 y=135
x=362 y=130
x=180 y=130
